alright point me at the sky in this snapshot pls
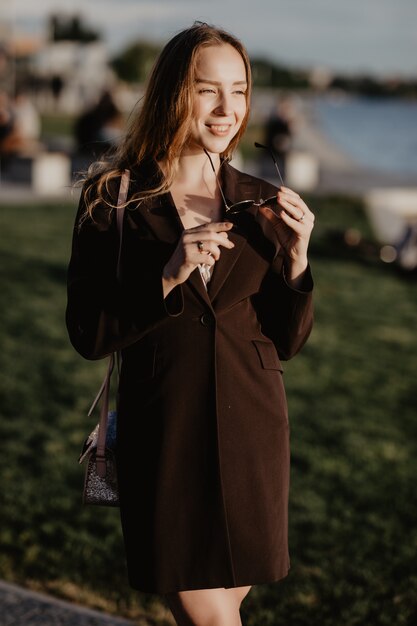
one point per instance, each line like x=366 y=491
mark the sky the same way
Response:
x=371 y=36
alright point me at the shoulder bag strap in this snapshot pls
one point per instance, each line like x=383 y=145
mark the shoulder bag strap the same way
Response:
x=105 y=387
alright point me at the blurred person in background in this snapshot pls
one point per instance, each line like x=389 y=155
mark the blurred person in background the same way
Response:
x=57 y=85
x=99 y=128
x=27 y=121
x=212 y=294
x=19 y=125
x=11 y=142
x=279 y=130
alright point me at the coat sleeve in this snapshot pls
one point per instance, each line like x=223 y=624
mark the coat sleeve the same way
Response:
x=105 y=314
x=285 y=313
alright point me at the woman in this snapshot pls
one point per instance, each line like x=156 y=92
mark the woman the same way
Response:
x=207 y=304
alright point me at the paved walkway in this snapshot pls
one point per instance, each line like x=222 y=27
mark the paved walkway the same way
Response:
x=351 y=179
x=17 y=193
x=20 y=607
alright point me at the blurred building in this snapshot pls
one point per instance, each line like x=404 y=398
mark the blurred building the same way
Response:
x=75 y=72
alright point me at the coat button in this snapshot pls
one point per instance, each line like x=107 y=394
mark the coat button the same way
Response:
x=207 y=320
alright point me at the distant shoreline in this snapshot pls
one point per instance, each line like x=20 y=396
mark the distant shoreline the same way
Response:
x=339 y=171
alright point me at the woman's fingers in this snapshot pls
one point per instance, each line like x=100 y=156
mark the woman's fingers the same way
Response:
x=212 y=226
x=267 y=212
x=197 y=245
x=291 y=210
x=288 y=190
x=208 y=237
x=297 y=213
x=298 y=226
x=207 y=248
x=294 y=205
x=207 y=256
x=201 y=244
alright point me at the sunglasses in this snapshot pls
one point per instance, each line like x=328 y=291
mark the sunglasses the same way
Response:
x=243 y=205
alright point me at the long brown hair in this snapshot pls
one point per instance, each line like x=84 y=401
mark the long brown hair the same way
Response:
x=161 y=128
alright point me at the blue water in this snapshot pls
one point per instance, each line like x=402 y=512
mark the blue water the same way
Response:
x=378 y=133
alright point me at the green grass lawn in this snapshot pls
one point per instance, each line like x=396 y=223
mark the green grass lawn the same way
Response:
x=57 y=125
x=352 y=399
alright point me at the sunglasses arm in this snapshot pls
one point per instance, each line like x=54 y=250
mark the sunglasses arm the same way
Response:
x=217 y=181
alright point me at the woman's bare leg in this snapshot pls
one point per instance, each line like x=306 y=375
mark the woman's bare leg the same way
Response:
x=239 y=592
x=207 y=607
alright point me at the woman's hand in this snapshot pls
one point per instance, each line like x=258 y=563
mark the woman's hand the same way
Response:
x=292 y=222
x=200 y=244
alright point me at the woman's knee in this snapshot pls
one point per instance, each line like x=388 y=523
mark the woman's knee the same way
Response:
x=239 y=593
x=204 y=607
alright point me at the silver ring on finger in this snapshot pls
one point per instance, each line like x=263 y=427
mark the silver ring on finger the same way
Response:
x=302 y=217
x=200 y=247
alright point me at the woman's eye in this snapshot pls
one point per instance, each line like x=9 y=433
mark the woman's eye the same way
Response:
x=240 y=92
x=206 y=91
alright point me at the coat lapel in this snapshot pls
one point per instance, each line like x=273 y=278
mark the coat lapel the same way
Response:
x=165 y=224
x=236 y=186
x=160 y=215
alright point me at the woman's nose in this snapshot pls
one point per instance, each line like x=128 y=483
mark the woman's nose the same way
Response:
x=224 y=106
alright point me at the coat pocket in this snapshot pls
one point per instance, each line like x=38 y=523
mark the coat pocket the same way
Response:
x=267 y=355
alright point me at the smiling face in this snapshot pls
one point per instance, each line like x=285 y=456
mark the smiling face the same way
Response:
x=219 y=99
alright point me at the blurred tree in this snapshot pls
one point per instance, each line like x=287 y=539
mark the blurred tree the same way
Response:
x=70 y=28
x=134 y=63
x=268 y=74
x=371 y=86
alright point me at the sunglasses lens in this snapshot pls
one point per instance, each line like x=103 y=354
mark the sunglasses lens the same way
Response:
x=238 y=207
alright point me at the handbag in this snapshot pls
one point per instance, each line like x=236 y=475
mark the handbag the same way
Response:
x=100 y=481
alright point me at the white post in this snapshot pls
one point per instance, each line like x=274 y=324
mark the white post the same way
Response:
x=51 y=173
x=301 y=171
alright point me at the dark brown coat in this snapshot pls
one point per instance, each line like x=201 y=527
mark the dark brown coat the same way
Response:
x=203 y=433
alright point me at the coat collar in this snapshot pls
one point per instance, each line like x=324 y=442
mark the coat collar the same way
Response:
x=239 y=186
x=163 y=219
